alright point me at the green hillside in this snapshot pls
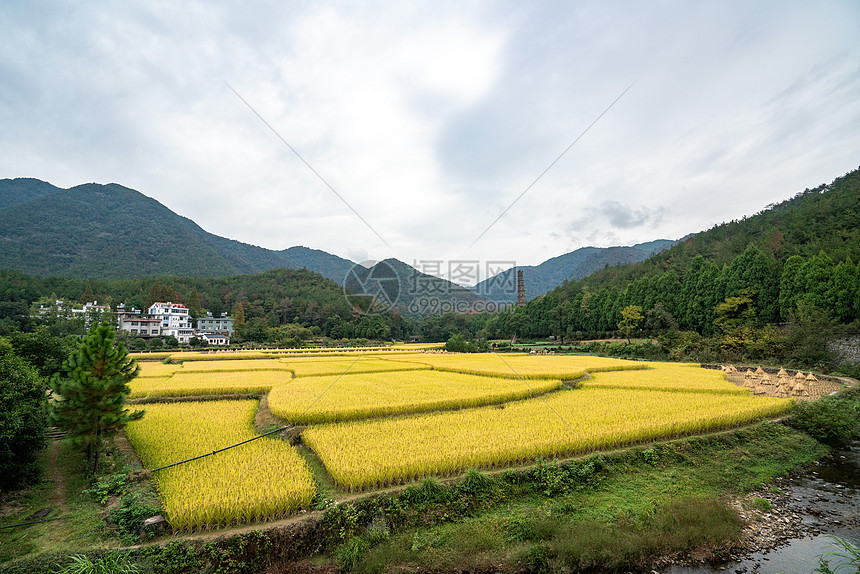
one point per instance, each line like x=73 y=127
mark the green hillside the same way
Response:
x=111 y=232
x=577 y=264
x=780 y=282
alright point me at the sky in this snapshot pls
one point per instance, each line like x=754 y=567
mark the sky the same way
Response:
x=406 y=129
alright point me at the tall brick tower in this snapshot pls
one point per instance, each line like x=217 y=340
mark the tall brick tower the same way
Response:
x=521 y=289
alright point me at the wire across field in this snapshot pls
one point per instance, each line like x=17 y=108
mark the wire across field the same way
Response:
x=357 y=396
x=521 y=366
x=685 y=377
x=208 y=383
x=367 y=454
x=260 y=480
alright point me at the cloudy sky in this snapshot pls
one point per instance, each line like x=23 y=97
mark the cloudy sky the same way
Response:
x=429 y=119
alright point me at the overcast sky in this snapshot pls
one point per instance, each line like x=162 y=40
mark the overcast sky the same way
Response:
x=430 y=118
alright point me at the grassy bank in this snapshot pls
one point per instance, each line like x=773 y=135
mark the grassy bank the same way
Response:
x=609 y=511
x=604 y=511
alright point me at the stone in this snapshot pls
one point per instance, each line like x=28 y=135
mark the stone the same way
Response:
x=155 y=523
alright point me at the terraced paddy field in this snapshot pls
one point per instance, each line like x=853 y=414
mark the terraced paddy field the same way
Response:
x=358 y=396
x=375 y=419
x=260 y=480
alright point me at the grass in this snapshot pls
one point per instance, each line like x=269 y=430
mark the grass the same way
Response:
x=81 y=527
x=631 y=505
x=608 y=511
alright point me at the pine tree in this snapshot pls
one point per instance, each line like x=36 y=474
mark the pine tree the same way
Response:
x=154 y=294
x=88 y=296
x=238 y=319
x=90 y=398
x=194 y=303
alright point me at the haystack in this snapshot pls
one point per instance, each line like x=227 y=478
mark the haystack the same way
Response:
x=782 y=391
x=782 y=373
x=760 y=372
x=800 y=390
x=800 y=376
x=810 y=378
x=760 y=389
x=766 y=379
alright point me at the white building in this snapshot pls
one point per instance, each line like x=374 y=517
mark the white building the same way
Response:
x=138 y=324
x=175 y=320
x=214 y=338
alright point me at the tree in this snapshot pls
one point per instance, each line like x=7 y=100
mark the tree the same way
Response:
x=22 y=419
x=90 y=398
x=631 y=316
x=194 y=303
x=238 y=319
x=88 y=296
x=44 y=351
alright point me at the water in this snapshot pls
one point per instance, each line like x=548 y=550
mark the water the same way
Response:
x=828 y=498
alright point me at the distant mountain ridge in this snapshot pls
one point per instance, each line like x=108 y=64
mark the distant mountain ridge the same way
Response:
x=95 y=231
x=540 y=279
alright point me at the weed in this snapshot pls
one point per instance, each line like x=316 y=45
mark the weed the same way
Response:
x=110 y=563
x=350 y=553
x=476 y=483
x=108 y=486
x=846 y=554
x=129 y=517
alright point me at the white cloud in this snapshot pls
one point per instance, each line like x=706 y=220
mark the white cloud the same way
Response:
x=429 y=118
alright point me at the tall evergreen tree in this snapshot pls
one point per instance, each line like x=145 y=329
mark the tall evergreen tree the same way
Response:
x=194 y=303
x=154 y=294
x=88 y=296
x=90 y=398
x=238 y=319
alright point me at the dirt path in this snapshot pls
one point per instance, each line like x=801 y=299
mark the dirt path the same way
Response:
x=57 y=500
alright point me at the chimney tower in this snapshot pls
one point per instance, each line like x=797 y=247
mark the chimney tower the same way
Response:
x=521 y=289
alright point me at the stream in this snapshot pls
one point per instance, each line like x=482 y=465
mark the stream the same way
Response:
x=826 y=497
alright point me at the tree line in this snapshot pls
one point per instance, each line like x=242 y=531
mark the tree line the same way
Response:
x=276 y=307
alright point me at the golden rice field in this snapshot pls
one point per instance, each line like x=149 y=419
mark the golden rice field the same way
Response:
x=312 y=366
x=430 y=416
x=207 y=383
x=357 y=396
x=521 y=365
x=667 y=377
x=217 y=355
x=367 y=454
x=260 y=480
x=212 y=366
x=154 y=370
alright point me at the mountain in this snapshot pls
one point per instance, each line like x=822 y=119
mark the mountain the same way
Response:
x=394 y=285
x=109 y=231
x=540 y=279
x=794 y=262
x=823 y=219
x=95 y=231
x=22 y=190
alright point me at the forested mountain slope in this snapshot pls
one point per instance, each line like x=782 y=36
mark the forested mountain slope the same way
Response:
x=109 y=231
x=553 y=272
x=803 y=251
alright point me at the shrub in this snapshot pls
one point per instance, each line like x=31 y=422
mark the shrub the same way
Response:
x=831 y=420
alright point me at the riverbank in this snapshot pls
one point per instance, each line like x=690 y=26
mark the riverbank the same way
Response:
x=807 y=509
